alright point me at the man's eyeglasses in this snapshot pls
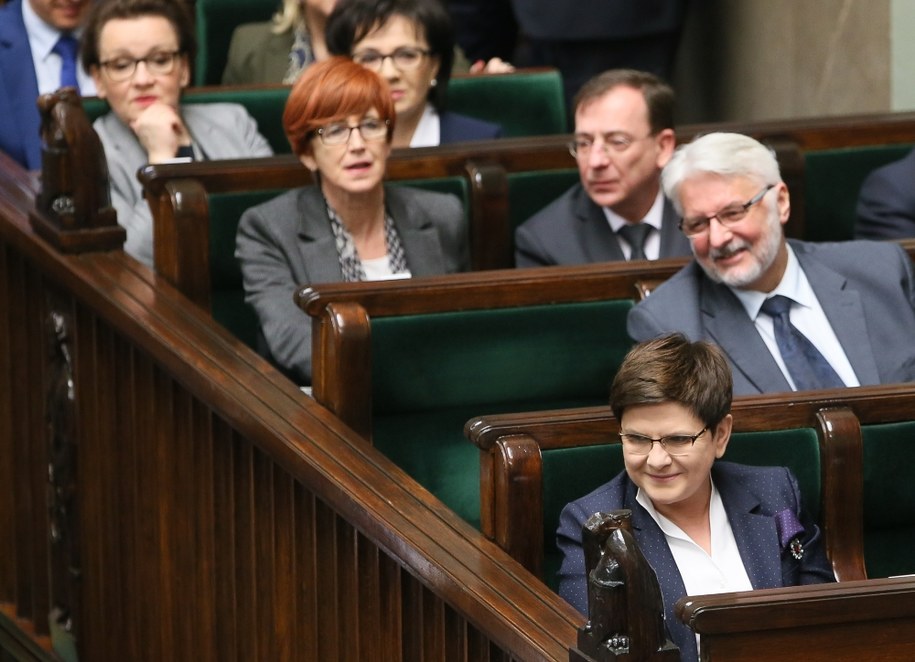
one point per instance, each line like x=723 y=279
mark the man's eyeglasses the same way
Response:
x=614 y=141
x=404 y=59
x=674 y=444
x=338 y=133
x=727 y=216
x=159 y=63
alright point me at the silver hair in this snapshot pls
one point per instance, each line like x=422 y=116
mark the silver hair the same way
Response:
x=725 y=154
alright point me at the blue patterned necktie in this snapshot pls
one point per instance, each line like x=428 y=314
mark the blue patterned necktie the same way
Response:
x=66 y=47
x=808 y=368
x=635 y=235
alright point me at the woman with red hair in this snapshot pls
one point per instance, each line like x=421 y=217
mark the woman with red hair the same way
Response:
x=339 y=120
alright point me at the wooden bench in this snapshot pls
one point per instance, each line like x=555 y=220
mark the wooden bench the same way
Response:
x=406 y=363
x=521 y=500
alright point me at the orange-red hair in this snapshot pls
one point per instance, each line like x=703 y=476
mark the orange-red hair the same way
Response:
x=329 y=91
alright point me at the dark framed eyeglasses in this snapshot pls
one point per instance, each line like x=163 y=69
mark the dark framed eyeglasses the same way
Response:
x=727 y=216
x=338 y=133
x=674 y=444
x=404 y=59
x=158 y=63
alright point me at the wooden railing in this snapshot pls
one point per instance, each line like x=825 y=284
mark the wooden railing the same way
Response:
x=168 y=495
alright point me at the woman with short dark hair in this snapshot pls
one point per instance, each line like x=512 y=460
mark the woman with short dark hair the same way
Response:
x=139 y=54
x=704 y=526
x=410 y=43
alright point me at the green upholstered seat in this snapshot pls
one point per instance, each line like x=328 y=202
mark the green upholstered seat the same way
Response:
x=889 y=499
x=227 y=296
x=226 y=289
x=571 y=473
x=529 y=192
x=431 y=373
x=525 y=103
x=216 y=21
x=833 y=179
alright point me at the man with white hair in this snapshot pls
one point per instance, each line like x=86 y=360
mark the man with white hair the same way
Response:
x=790 y=315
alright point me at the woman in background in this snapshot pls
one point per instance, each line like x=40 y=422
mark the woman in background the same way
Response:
x=138 y=53
x=349 y=227
x=278 y=51
x=410 y=43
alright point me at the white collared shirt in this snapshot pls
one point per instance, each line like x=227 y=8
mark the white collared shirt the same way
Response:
x=806 y=315
x=429 y=130
x=42 y=38
x=722 y=571
x=653 y=218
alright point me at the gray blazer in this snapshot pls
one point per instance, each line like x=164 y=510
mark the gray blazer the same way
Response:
x=220 y=130
x=866 y=289
x=287 y=242
x=574 y=230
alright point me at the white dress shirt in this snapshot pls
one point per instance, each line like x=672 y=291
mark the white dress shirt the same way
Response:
x=806 y=315
x=653 y=218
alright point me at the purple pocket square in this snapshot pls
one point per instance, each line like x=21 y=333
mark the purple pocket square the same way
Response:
x=789 y=528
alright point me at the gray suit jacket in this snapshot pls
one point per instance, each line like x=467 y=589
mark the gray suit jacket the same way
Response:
x=220 y=130
x=751 y=496
x=866 y=289
x=287 y=242
x=574 y=230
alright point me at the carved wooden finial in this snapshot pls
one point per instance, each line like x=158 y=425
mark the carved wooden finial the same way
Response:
x=73 y=210
x=626 y=610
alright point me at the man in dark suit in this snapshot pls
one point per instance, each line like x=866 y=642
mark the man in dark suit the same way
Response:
x=623 y=137
x=32 y=63
x=790 y=315
x=583 y=38
x=886 y=204
x=704 y=525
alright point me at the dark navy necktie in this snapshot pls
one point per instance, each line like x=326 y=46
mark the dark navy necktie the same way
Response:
x=808 y=368
x=635 y=235
x=66 y=47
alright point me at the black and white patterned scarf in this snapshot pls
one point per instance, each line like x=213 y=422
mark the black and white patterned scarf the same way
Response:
x=350 y=263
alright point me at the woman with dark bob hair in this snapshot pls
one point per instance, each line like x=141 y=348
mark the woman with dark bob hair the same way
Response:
x=704 y=525
x=410 y=43
x=339 y=120
x=138 y=52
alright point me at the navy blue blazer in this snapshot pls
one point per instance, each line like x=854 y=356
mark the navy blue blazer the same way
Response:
x=886 y=203
x=456 y=128
x=752 y=496
x=19 y=118
x=573 y=229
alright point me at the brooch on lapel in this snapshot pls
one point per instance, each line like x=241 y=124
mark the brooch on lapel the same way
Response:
x=796 y=548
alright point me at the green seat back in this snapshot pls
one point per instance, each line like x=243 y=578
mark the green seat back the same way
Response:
x=571 y=473
x=529 y=192
x=889 y=499
x=216 y=21
x=432 y=373
x=226 y=287
x=833 y=178
x=227 y=294
x=523 y=103
x=265 y=105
